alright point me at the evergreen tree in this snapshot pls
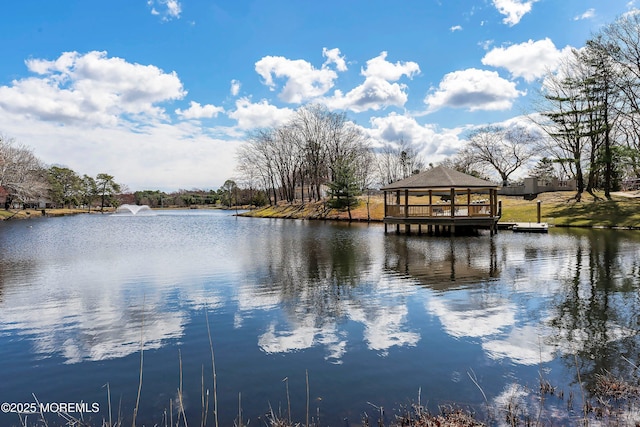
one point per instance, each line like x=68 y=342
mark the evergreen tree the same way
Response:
x=544 y=170
x=344 y=188
x=107 y=189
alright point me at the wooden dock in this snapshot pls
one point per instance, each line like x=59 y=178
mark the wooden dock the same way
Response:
x=530 y=227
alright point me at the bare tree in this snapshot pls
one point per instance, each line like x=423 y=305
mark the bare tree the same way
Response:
x=464 y=161
x=255 y=162
x=504 y=149
x=305 y=154
x=365 y=174
x=398 y=161
x=622 y=41
x=21 y=172
x=312 y=124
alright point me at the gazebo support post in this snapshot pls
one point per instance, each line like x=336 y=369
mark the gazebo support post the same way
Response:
x=453 y=202
x=385 y=204
x=407 y=226
x=398 y=204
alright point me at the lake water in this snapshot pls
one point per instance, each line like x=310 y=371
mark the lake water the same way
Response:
x=365 y=320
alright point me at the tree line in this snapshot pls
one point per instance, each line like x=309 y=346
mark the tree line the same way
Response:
x=26 y=181
x=319 y=154
x=228 y=195
x=590 y=112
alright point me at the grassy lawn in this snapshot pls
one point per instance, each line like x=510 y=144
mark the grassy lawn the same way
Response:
x=561 y=209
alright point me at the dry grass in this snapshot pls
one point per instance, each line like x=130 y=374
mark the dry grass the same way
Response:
x=34 y=213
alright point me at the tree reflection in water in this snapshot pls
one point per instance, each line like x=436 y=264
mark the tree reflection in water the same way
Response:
x=595 y=313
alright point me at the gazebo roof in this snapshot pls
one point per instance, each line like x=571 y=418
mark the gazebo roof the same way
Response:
x=439 y=177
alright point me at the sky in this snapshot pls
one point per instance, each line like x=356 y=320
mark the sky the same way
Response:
x=161 y=93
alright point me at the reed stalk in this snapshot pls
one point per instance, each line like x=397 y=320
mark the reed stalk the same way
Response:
x=286 y=381
x=204 y=400
x=213 y=367
x=584 y=402
x=109 y=403
x=44 y=420
x=307 y=378
x=180 y=391
x=135 y=411
x=240 y=410
x=474 y=379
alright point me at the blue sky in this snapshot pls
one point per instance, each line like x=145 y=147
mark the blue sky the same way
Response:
x=160 y=93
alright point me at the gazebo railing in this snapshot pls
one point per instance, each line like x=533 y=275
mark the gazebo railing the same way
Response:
x=439 y=210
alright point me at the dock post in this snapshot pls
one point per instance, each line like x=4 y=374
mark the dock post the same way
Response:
x=539 y=216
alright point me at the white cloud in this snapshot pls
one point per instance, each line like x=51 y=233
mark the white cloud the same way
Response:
x=235 y=87
x=374 y=94
x=388 y=329
x=160 y=156
x=456 y=28
x=90 y=89
x=105 y=114
x=260 y=115
x=303 y=81
x=529 y=60
x=334 y=57
x=486 y=44
x=395 y=127
x=433 y=144
x=171 y=9
x=306 y=83
x=485 y=319
x=377 y=91
x=522 y=345
x=304 y=334
x=381 y=68
x=588 y=14
x=514 y=10
x=197 y=111
x=474 y=90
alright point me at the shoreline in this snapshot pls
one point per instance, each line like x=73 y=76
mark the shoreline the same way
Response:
x=558 y=209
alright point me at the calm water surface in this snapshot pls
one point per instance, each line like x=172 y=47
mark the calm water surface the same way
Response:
x=372 y=320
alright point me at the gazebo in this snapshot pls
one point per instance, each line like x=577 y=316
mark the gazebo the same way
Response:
x=442 y=199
